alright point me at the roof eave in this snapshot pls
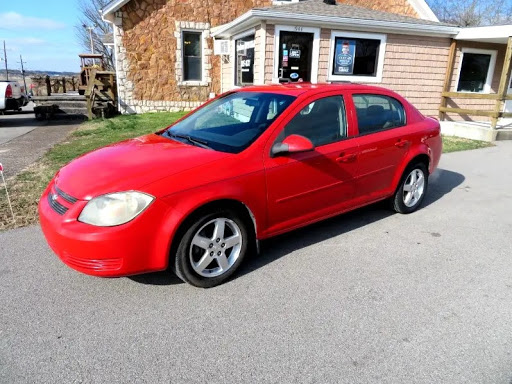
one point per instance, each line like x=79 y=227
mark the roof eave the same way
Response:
x=334 y=21
x=107 y=13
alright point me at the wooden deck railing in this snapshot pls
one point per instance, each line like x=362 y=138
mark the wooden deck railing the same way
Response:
x=500 y=97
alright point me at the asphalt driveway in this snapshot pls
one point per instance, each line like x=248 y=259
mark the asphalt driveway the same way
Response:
x=368 y=297
x=23 y=139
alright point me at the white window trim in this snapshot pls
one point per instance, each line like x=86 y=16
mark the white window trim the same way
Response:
x=490 y=71
x=233 y=47
x=314 y=55
x=204 y=35
x=380 y=59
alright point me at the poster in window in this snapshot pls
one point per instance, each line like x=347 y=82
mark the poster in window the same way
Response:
x=345 y=54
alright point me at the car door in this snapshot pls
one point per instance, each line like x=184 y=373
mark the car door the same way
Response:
x=383 y=143
x=302 y=187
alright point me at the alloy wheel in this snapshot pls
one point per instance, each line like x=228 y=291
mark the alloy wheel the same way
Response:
x=215 y=247
x=414 y=187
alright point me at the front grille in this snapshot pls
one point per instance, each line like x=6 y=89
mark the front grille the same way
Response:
x=57 y=207
x=104 y=265
x=65 y=196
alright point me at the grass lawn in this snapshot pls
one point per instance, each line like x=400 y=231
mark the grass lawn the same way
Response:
x=26 y=188
x=454 y=144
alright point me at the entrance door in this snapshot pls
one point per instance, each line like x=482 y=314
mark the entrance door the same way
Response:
x=295 y=53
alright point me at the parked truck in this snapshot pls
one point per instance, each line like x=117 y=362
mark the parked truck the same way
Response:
x=12 y=96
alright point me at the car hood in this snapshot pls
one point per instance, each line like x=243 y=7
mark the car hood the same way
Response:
x=129 y=165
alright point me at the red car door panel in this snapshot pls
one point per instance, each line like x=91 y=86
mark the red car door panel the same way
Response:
x=383 y=143
x=303 y=187
x=380 y=154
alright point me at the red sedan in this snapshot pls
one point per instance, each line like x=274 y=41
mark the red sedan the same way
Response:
x=248 y=165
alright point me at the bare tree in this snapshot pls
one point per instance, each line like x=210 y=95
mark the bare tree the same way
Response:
x=91 y=17
x=472 y=13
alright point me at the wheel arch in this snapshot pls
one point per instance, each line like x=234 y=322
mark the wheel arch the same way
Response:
x=422 y=155
x=208 y=206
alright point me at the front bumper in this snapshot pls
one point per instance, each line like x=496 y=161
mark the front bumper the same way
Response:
x=136 y=247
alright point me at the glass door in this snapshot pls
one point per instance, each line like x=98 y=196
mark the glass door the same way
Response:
x=295 y=54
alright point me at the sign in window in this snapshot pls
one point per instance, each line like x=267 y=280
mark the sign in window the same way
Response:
x=356 y=57
x=244 y=61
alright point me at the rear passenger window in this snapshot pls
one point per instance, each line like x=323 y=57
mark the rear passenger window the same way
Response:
x=322 y=121
x=378 y=112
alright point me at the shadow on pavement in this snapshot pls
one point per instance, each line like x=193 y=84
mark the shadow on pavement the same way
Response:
x=157 y=278
x=441 y=183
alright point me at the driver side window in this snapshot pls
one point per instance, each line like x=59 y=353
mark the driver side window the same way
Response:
x=322 y=121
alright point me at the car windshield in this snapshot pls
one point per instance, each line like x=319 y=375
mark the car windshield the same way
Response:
x=231 y=123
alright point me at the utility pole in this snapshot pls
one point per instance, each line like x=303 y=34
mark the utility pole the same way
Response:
x=5 y=59
x=23 y=74
x=90 y=29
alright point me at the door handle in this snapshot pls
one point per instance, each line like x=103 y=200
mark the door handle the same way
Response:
x=351 y=157
x=401 y=143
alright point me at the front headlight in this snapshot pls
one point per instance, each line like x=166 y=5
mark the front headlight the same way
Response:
x=115 y=208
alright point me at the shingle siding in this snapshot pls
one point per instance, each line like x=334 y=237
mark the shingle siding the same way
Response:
x=414 y=66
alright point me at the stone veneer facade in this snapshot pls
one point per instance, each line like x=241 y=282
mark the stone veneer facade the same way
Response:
x=147 y=37
x=148 y=51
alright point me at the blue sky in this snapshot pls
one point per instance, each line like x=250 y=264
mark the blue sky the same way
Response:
x=42 y=31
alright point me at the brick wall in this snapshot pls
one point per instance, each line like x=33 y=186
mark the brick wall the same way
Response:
x=269 y=54
x=415 y=67
x=228 y=71
x=259 y=53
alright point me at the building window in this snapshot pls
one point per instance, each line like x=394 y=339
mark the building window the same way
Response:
x=476 y=70
x=356 y=57
x=378 y=112
x=244 y=61
x=192 y=56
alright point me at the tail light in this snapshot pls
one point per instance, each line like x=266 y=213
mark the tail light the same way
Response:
x=8 y=91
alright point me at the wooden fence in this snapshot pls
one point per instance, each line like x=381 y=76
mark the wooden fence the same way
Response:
x=500 y=97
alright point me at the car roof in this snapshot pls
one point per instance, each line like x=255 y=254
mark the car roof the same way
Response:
x=296 y=89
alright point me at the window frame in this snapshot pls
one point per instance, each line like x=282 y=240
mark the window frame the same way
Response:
x=378 y=95
x=356 y=35
x=315 y=49
x=201 y=34
x=238 y=37
x=490 y=71
x=306 y=103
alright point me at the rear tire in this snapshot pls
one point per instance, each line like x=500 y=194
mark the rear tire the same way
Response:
x=212 y=248
x=412 y=189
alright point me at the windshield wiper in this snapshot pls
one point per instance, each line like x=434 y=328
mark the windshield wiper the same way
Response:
x=193 y=140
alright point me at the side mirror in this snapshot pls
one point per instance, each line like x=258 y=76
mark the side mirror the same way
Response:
x=292 y=144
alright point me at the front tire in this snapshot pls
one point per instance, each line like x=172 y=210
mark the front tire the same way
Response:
x=412 y=189
x=212 y=248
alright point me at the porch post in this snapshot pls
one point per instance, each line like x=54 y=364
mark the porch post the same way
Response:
x=448 y=77
x=504 y=81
